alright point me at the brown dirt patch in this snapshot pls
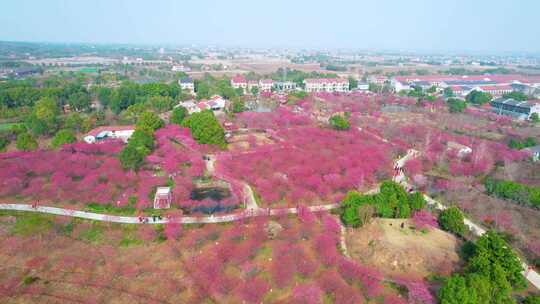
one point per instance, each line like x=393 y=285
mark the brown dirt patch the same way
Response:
x=397 y=251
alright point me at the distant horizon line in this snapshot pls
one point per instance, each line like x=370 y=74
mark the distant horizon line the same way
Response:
x=296 y=48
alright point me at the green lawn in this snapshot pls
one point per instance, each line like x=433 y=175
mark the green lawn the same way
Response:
x=7 y=125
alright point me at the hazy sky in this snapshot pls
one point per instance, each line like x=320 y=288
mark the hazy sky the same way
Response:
x=431 y=25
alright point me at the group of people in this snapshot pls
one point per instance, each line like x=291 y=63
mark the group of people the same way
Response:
x=145 y=220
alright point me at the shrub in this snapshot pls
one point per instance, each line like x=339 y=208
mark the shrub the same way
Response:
x=26 y=142
x=205 y=128
x=339 y=122
x=392 y=202
x=520 y=193
x=451 y=220
x=63 y=137
x=178 y=115
x=149 y=120
x=456 y=105
x=456 y=291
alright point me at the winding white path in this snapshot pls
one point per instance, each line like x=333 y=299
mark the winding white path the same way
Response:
x=530 y=274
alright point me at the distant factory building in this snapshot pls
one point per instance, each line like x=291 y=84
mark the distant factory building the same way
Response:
x=515 y=108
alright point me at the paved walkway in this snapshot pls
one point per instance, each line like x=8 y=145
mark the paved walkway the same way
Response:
x=531 y=275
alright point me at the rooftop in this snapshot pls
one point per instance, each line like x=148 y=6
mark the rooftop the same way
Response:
x=513 y=102
x=186 y=80
x=96 y=131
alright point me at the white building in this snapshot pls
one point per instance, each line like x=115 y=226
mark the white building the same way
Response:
x=265 y=85
x=190 y=105
x=326 y=85
x=163 y=198
x=109 y=132
x=363 y=86
x=239 y=81
x=180 y=68
x=400 y=86
x=187 y=84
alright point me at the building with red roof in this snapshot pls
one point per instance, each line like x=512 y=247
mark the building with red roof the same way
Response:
x=239 y=81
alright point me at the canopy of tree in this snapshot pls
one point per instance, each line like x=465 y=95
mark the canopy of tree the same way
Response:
x=63 y=137
x=298 y=77
x=339 y=122
x=516 y=143
x=456 y=105
x=178 y=115
x=391 y=202
x=210 y=85
x=478 y=97
x=205 y=128
x=26 y=142
x=491 y=273
x=451 y=220
x=519 y=193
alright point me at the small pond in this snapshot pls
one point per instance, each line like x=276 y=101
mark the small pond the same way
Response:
x=213 y=193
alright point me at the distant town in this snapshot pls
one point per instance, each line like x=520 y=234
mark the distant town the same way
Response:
x=205 y=174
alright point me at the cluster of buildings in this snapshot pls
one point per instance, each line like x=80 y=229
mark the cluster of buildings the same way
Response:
x=240 y=82
x=496 y=85
x=326 y=85
x=215 y=103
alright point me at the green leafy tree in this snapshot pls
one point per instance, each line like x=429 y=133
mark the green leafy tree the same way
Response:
x=482 y=287
x=339 y=122
x=3 y=143
x=532 y=299
x=456 y=291
x=451 y=220
x=254 y=90
x=160 y=104
x=63 y=137
x=178 y=115
x=516 y=95
x=353 y=83
x=238 y=105
x=535 y=117
x=205 y=128
x=132 y=156
x=431 y=89
x=79 y=101
x=448 y=92
x=142 y=137
x=478 y=97
x=149 y=120
x=456 y=105
x=73 y=121
x=497 y=251
x=26 y=142
x=104 y=96
x=417 y=201
x=44 y=117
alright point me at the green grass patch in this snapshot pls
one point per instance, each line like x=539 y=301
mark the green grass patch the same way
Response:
x=29 y=280
x=7 y=126
x=110 y=209
x=130 y=240
x=32 y=223
x=94 y=234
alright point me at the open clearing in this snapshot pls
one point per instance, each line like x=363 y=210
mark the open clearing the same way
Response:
x=399 y=252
